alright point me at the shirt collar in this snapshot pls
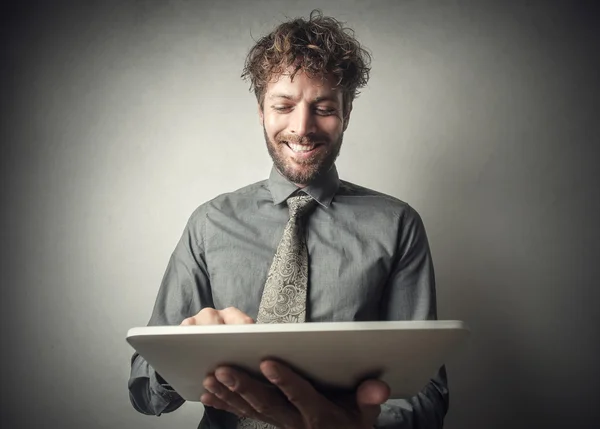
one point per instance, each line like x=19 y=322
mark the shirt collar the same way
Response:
x=322 y=190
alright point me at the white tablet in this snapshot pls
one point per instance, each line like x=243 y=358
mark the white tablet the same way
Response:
x=333 y=355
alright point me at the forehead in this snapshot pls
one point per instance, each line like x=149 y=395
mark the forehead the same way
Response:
x=303 y=86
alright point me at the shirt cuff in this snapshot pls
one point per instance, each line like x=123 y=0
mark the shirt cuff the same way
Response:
x=164 y=394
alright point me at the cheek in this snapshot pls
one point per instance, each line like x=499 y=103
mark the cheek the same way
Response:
x=332 y=127
x=273 y=125
x=274 y=119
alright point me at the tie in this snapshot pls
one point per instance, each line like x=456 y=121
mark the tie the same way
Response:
x=285 y=292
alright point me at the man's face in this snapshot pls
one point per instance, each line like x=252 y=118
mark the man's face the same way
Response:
x=304 y=124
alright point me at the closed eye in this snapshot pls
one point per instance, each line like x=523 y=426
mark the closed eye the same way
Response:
x=321 y=111
x=325 y=112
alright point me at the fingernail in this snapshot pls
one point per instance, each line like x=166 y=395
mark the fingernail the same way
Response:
x=271 y=372
x=213 y=389
x=226 y=379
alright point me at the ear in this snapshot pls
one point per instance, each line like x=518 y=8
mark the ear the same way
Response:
x=261 y=115
x=347 y=112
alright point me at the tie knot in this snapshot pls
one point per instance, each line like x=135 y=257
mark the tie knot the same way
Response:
x=299 y=205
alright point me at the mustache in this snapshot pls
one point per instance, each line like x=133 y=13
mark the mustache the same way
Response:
x=306 y=140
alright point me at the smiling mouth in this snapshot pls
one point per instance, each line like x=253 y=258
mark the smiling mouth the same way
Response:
x=301 y=148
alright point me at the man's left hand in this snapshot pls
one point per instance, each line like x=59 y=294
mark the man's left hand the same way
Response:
x=290 y=402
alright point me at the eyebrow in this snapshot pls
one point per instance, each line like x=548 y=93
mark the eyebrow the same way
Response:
x=280 y=95
x=316 y=100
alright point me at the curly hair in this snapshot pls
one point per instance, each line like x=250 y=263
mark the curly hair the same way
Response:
x=317 y=46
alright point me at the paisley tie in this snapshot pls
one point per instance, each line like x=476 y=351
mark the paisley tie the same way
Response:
x=286 y=289
x=285 y=292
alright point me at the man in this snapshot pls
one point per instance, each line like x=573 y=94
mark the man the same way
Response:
x=301 y=246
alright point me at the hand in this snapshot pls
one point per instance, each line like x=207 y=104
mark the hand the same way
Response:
x=290 y=401
x=210 y=316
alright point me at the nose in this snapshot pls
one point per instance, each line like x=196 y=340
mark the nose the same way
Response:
x=303 y=121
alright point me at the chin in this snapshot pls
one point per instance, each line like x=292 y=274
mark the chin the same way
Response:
x=301 y=176
x=301 y=173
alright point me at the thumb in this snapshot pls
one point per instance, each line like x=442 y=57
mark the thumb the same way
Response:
x=369 y=397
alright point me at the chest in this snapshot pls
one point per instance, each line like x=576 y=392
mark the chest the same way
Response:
x=348 y=264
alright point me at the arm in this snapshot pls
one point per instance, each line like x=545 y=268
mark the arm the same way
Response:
x=410 y=295
x=184 y=291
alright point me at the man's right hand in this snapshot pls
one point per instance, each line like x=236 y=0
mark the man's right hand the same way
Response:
x=288 y=400
x=210 y=316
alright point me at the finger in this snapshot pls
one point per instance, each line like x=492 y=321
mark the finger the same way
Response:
x=372 y=392
x=369 y=397
x=297 y=389
x=188 y=322
x=210 y=400
x=233 y=316
x=208 y=316
x=231 y=399
x=266 y=400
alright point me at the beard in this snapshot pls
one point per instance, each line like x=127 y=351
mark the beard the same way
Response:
x=307 y=170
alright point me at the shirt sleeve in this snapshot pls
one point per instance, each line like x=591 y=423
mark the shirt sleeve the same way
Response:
x=184 y=291
x=410 y=295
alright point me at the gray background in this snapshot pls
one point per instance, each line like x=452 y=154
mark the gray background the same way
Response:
x=118 y=119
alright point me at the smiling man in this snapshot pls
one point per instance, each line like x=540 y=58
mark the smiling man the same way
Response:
x=304 y=123
x=301 y=246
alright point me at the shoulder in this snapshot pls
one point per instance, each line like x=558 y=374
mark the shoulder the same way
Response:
x=225 y=206
x=239 y=199
x=377 y=201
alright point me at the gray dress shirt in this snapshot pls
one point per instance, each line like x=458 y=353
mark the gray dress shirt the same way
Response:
x=369 y=260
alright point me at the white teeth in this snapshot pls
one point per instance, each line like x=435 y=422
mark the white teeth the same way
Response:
x=300 y=147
